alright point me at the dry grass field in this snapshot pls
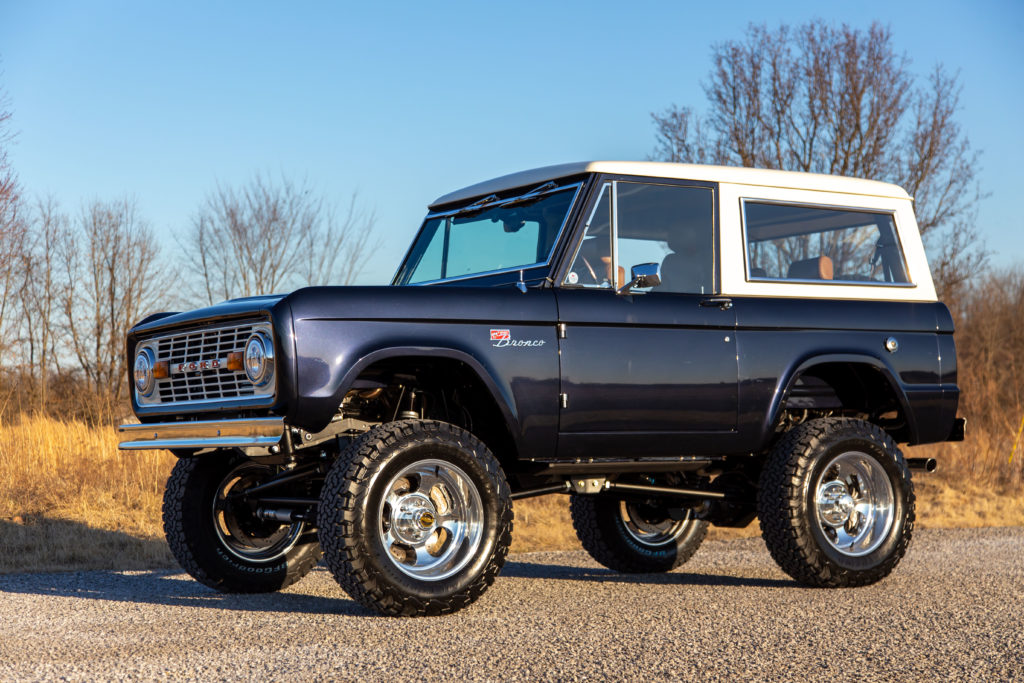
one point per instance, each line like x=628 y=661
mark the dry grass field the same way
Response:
x=70 y=500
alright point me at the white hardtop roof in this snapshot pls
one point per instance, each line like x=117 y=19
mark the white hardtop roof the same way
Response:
x=659 y=169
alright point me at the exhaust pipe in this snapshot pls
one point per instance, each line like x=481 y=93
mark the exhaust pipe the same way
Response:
x=926 y=464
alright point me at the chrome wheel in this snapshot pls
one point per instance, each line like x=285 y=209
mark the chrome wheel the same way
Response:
x=649 y=526
x=432 y=520
x=239 y=529
x=854 y=503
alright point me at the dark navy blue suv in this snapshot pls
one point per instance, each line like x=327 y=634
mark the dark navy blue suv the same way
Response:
x=672 y=346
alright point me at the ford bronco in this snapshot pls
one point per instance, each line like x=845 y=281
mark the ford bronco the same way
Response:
x=670 y=345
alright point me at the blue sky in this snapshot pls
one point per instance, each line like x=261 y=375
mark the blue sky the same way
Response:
x=406 y=101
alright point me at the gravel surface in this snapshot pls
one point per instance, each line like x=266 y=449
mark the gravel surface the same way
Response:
x=952 y=610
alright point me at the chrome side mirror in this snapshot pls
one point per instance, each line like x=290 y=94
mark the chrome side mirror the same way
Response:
x=644 y=275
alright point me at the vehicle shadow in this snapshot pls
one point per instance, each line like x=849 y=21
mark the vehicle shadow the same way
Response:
x=538 y=570
x=172 y=589
x=119 y=567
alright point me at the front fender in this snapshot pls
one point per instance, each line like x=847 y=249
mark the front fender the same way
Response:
x=522 y=380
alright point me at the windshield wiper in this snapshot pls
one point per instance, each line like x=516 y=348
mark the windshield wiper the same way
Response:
x=492 y=200
x=477 y=206
x=531 y=196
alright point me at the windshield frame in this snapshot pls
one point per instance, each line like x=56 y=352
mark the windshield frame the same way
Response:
x=474 y=205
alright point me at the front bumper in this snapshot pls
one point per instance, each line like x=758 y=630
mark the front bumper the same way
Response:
x=261 y=432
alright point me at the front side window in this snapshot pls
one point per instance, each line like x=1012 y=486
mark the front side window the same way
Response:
x=488 y=236
x=788 y=242
x=592 y=264
x=670 y=225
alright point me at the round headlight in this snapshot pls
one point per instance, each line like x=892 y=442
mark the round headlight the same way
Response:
x=144 y=380
x=259 y=359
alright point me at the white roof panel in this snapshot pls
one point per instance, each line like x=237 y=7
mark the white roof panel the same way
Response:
x=659 y=169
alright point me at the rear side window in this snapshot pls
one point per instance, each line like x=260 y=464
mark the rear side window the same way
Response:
x=805 y=243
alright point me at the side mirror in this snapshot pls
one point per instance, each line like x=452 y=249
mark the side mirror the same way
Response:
x=644 y=275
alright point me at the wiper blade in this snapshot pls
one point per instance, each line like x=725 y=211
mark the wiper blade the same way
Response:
x=492 y=201
x=477 y=206
x=531 y=196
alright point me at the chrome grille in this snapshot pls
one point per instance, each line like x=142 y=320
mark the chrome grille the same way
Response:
x=194 y=347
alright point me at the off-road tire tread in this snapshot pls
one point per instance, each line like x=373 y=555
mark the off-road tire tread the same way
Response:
x=340 y=516
x=603 y=540
x=787 y=533
x=303 y=561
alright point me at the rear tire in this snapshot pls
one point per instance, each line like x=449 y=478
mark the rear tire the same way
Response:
x=634 y=538
x=836 y=503
x=217 y=537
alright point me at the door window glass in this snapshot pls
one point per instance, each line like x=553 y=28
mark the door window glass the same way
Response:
x=672 y=226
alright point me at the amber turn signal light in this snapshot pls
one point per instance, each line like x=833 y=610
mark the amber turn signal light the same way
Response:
x=235 y=361
x=161 y=370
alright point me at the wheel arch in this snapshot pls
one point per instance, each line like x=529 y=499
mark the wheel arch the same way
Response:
x=494 y=404
x=858 y=381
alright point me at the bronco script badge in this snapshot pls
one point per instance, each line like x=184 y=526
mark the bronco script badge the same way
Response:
x=502 y=338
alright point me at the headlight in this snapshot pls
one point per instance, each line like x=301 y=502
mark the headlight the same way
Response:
x=144 y=380
x=259 y=359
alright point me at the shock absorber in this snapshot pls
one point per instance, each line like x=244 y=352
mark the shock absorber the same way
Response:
x=283 y=515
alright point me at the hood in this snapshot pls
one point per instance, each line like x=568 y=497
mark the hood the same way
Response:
x=232 y=308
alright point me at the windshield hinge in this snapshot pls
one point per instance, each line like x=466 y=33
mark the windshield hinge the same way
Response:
x=521 y=285
x=561 y=330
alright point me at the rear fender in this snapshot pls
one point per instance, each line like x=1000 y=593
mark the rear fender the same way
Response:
x=788 y=380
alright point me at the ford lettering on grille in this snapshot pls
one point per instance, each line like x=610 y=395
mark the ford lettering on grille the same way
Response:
x=199 y=366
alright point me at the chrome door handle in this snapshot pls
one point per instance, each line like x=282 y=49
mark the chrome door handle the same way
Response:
x=723 y=302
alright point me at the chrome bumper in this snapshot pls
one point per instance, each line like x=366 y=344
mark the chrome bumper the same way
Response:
x=252 y=432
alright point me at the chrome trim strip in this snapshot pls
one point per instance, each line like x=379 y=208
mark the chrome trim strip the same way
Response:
x=847 y=283
x=254 y=432
x=483 y=273
x=614 y=230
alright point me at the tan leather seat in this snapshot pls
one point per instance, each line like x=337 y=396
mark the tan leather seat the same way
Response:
x=819 y=268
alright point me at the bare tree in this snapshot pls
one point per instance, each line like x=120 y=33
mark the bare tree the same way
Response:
x=113 y=276
x=12 y=227
x=839 y=100
x=40 y=294
x=267 y=236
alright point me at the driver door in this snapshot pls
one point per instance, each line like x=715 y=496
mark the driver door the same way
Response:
x=652 y=372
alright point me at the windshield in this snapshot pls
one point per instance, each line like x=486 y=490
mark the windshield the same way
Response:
x=489 y=235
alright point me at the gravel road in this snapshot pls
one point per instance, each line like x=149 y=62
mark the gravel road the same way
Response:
x=952 y=610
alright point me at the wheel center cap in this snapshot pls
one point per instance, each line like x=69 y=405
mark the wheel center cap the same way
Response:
x=413 y=518
x=835 y=504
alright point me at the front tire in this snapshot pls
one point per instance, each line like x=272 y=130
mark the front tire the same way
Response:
x=632 y=537
x=836 y=503
x=416 y=518
x=216 y=536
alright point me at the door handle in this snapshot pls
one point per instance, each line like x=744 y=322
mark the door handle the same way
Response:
x=723 y=302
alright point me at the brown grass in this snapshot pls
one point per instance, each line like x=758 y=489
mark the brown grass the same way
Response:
x=69 y=500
